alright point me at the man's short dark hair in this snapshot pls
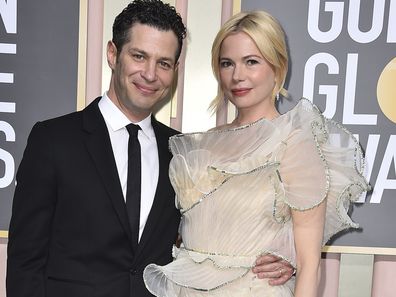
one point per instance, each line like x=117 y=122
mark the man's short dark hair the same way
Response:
x=153 y=13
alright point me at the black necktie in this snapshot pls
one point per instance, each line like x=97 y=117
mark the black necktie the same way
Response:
x=133 y=182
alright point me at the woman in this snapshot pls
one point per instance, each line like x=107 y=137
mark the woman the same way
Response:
x=264 y=184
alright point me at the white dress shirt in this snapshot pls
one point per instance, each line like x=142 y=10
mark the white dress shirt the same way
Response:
x=116 y=123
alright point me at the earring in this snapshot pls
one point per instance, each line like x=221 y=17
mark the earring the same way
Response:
x=277 y=97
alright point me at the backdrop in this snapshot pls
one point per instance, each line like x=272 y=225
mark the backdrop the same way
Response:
x=343 y=59
x=38 y=77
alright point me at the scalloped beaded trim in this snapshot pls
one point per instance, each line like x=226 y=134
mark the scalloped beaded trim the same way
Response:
x=233 y=174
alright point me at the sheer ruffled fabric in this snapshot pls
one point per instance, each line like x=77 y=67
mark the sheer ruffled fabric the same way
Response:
x=236 y=188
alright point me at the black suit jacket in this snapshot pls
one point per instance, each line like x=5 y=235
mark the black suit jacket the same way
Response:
x=69 y=233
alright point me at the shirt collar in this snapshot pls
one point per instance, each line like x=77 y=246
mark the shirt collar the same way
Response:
x=117 y=120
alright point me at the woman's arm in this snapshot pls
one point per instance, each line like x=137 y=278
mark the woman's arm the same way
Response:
x=308 y=235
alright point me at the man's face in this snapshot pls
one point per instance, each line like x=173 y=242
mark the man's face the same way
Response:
x=143 y=71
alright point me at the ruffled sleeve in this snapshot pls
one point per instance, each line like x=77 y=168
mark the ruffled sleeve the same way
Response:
x=320 y=160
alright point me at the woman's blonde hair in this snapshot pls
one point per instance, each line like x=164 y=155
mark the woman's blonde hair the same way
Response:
x=269 y=37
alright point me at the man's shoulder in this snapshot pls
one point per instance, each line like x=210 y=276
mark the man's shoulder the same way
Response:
x=164 y=129
x=73 y=116
x=67 y=122
x=62 y=122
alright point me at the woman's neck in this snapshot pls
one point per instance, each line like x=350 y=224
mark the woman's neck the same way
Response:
x=245 y=118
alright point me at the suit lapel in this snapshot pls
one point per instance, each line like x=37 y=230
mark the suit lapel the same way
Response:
x=161 y=193
x=99 y=147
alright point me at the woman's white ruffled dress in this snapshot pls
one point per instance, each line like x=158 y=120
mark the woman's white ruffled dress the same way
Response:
x=235 y=189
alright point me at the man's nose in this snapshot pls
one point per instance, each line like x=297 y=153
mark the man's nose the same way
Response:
x=149 y=71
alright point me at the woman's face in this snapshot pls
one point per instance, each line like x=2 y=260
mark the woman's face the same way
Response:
x=246 y=78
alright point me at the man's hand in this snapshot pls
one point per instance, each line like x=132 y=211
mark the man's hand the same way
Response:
x=277 y=270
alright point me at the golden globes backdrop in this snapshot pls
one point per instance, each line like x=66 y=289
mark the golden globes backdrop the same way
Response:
x=343 y=58
x=38 y=77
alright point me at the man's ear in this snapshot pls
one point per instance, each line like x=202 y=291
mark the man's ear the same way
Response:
x=176 y=66
x=111 y=54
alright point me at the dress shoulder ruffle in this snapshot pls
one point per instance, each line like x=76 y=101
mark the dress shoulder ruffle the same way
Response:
x=321 y=160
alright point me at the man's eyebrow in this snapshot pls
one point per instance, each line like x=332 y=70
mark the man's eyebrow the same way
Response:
x=144 y=53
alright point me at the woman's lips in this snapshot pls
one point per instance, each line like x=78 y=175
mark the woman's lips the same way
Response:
x=240 y=91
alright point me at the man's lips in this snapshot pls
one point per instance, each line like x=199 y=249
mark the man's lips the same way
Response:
x=240 y=91
x=145 y=89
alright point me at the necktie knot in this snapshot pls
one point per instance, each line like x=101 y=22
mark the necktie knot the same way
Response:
x=133 y=129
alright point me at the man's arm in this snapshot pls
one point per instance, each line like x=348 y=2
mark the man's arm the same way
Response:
x=32 y=212
x=271 y=267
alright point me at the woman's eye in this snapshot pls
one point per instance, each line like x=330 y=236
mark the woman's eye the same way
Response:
x=251 y=62
x=225 y=64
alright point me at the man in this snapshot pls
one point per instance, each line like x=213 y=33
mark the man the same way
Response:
x=72 y=232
